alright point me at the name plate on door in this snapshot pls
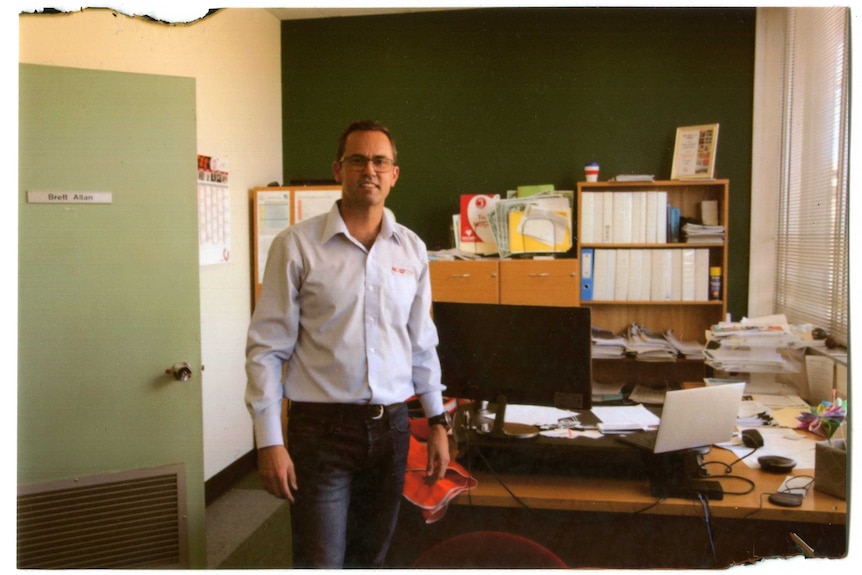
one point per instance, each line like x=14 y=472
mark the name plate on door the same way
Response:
x=41 y=197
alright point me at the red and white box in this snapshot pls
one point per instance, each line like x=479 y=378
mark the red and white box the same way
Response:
x=476 y=234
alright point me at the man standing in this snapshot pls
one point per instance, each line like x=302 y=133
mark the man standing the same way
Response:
x=342 y=330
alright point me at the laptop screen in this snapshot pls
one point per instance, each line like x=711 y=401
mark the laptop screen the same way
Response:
x=699 y=416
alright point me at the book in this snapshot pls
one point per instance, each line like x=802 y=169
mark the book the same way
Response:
x=621 y=277
x=587 y=216
x=672 y=224
x=586 y=274
x=662 y=273
x=607 y=218
x=634 y=291
x=661 y=217
x=622 y=226
x=633 y=178
x=639 y=217
x=687 y=274
x=701 y=274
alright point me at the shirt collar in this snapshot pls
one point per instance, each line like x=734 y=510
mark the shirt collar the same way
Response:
x=335 y=225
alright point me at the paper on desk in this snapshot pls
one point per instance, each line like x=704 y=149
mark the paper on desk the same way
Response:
x=535 y=414
x=777 y=441
x=568 y=433
x=625 y=414
x=781 y=401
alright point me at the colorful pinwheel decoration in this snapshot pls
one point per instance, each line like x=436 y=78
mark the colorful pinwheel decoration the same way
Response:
x=825 y=419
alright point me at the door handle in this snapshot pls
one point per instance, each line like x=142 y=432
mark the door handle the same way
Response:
x=181 y=371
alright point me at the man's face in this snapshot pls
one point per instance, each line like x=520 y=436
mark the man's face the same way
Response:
x=362 y=183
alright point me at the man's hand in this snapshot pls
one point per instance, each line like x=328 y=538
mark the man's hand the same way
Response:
x=276 y=471
x=438 y=453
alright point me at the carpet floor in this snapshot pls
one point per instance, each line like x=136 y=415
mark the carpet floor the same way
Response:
x=247 y=528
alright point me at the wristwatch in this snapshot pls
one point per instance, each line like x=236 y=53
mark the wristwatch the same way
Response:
x=443 y=419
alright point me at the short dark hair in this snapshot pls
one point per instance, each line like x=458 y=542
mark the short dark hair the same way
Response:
x=365 y=126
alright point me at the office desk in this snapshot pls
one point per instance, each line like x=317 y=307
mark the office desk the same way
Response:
x=615 y=523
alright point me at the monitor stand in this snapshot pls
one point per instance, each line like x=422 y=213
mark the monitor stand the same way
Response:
x=680 y=474
x=510 y=430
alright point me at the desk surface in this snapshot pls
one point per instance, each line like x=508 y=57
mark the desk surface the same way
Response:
x=611 y=495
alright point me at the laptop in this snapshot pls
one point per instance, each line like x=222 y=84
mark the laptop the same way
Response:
x=692 y=418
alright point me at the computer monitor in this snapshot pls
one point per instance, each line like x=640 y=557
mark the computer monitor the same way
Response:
x=517 y=354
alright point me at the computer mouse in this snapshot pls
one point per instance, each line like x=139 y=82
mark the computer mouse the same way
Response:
x=776 y=463
x=785 y=499
x=752 y=438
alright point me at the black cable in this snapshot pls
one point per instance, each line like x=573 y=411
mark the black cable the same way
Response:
x=740 y=478
x=738 y=459
x=727 y=468
x=705 y=504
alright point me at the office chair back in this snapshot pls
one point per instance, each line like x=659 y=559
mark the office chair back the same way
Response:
x=488 y=550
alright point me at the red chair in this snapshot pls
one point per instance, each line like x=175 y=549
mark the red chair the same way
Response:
x=488 y=550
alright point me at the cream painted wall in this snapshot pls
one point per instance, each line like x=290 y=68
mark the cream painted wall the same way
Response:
x=235 y=57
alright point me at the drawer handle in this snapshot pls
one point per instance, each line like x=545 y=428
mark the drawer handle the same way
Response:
x=539 y=275
x=460 y=276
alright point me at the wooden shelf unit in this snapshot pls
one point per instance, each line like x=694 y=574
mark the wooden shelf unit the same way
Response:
x=689 y=320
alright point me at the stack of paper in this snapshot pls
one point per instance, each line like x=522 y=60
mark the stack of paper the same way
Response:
x=688 y=349
x=753 y=346
x=540 y=223
x=700 y=234
x=607 y=344
x=647 y=345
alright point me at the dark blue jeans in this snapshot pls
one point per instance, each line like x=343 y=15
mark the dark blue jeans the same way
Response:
x=350 y=477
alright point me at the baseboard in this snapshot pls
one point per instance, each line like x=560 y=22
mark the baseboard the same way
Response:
x=221 y=482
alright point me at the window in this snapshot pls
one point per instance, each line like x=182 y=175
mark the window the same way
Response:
x=811 y=247
x=813 y=261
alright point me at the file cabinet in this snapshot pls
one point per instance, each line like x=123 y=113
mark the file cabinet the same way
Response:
x=521 y=282
x=465 y=281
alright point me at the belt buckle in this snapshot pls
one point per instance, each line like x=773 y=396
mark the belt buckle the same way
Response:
x=376 y=411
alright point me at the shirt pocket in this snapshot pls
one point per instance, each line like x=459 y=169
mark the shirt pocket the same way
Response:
x=400 y=291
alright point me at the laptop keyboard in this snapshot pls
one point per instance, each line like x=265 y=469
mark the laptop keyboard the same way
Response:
x=642 y=439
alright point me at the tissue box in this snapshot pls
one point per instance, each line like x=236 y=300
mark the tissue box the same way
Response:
x=830 y=467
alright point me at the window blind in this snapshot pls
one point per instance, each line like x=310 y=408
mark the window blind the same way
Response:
x=812 y=279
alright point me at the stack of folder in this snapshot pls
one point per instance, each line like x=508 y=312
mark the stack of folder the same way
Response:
x=624 y=217
x=537 y=223
x=752 y=347
x=648 y=274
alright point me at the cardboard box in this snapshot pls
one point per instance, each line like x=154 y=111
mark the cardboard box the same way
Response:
x=830 y=467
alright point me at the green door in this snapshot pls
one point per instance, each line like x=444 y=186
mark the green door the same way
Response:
x=108 y=291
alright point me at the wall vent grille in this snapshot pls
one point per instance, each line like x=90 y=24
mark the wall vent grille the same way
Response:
x=130 y=520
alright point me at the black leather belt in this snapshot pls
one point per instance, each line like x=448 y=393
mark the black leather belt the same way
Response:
x=345 y=411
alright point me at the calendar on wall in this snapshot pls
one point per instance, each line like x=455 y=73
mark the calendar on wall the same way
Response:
x=213 y=211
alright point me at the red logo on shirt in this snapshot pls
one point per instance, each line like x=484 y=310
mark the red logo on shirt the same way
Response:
x=398 y=270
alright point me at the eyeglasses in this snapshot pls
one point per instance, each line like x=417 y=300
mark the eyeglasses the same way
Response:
x=381 y=164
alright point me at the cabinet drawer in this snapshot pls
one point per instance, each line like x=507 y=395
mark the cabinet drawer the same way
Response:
x=540 y=282
x=465 y=281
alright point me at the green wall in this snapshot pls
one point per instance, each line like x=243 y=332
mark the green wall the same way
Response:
x=485 y=100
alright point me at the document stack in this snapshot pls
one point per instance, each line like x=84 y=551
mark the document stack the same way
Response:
x=646 y=345
x=753 y=347
x=701 y=234
x=687 y=349
x=538 y=223
x=607 y=343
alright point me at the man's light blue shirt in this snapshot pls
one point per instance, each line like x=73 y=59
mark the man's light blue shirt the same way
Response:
x=352 y=325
